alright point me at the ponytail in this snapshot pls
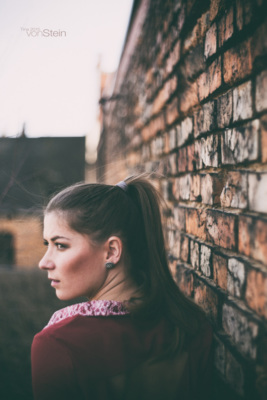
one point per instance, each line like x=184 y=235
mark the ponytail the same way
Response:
x=161 y=295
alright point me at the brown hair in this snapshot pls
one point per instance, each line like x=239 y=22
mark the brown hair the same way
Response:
x=133 y=214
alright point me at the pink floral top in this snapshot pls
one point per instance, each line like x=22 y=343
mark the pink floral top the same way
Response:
x=103 y=308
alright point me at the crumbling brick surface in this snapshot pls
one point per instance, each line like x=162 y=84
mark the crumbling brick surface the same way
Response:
x=195 y=92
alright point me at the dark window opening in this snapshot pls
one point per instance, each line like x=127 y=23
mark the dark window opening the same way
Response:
x=6 y=249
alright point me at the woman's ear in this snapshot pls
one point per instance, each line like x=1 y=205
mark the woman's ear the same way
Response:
x=114 y=249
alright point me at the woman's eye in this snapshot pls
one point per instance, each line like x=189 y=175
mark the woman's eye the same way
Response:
x=60 y=246
x=45 y=243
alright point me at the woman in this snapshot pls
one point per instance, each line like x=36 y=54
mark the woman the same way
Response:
x=137 y=337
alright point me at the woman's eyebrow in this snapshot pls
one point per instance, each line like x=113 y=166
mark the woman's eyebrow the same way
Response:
x=58 y=237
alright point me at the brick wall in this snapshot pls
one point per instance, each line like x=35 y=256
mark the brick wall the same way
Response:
x=193 y=81
x=27 y=233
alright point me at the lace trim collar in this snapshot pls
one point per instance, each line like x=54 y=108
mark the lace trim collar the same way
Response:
x=103 y=308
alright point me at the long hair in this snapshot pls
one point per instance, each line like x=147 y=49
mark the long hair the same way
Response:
x=133 y=214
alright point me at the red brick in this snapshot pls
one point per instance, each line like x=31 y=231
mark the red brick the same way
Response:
x=221 y=229
x=237 y=62
x=172 y=112
x=181 y=188
x=206 y=152
x=206 y=298
x=145 y=133
x=226 y=27
x=256 y=292
x=189 y=97
x=182 y=159
x=211 y=80
x=263 y=125
x=184 y=131
x=160 y=100
x=195 y=222
x=220 y=271
x=252 y=237
x=211 y=41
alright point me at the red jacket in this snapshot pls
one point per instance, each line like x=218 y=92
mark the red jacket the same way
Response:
x=91 y=356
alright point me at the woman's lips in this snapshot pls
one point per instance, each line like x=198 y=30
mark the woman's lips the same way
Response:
x=54 y=282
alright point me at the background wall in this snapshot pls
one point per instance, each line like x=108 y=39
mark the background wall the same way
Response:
x=191 y=104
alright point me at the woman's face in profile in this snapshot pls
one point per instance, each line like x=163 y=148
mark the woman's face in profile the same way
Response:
x=75 y=265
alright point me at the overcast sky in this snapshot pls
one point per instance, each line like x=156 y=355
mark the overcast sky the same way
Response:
x=49 y=80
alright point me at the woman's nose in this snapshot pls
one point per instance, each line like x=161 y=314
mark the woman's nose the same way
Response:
x=46 y=263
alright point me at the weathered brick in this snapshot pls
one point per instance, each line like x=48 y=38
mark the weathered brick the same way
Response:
x=237 y=62
x=211 y=187
x=257 y=184
x=234 y=373
x=205 y=119
x=219 y=355
x=240 y=144
x=259 y=44
x=179 y=218
x=236 y=277
x=182 y=159
x=256 y=292
x=242 y=101
x=261 y=91
x=205 y=260
x=220 y=270
x=172 y=111
x=184 y=279
x=206 y=152
x=182 y=188
x=191 y=158
x=225 y=109
x=194 y=188
x=252 y=238
x=263 y=126
x=221 y=229
x=206 y=298
x=214 y=8
x=211 y=41
x=243 y=332
x=194 y=254
x=235 y=192
x=185 y=131
x=211 y=80
x=195 y=222
x=226 y=27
